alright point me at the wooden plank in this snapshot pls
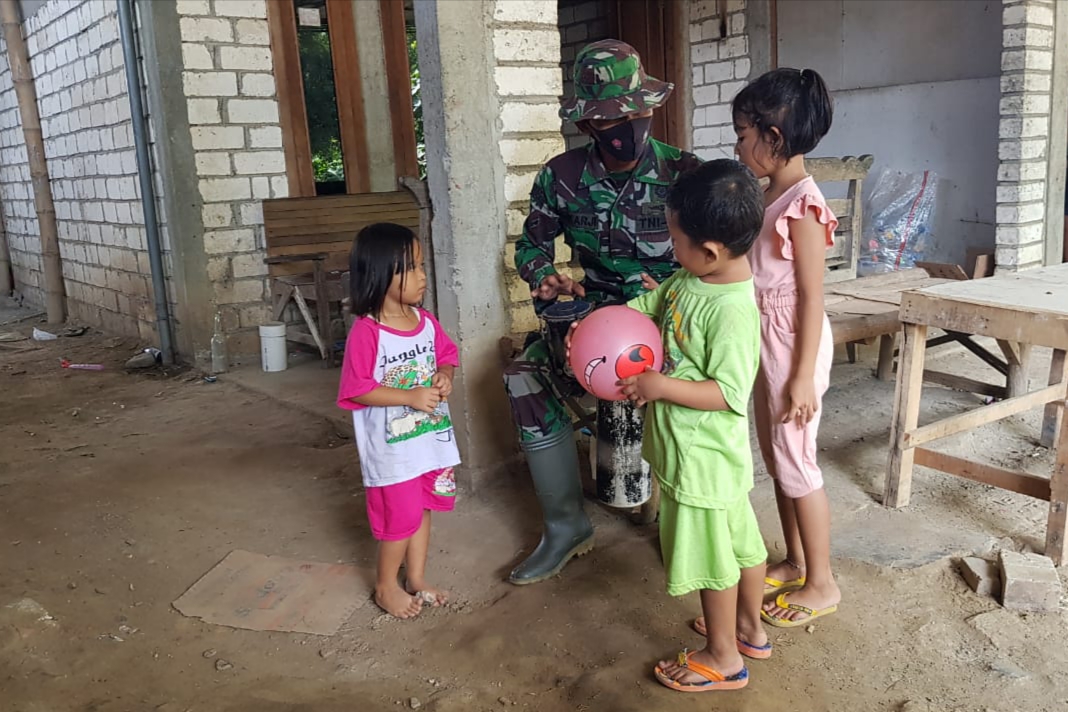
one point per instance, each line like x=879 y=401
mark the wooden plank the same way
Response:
x=399 y=80
x=833 y=170
x=981 y=416
x=285 y=52
x=1040 y=291
x=1012 y=480
x=944 y=270
x=676 y=55
x=879 y=281
x=906 y=415
x=296 y=233
x=960 y=383
x=1051 y=419
x=851 y=242
x=338 y=263
x=1057 y=523
x=1022 y=324
x=339 y=216
x=310 y=233
x=853 y=305
x=302 y=305
x=278 y=206
x=348 y=85
x=846 y=328
x=841 y=207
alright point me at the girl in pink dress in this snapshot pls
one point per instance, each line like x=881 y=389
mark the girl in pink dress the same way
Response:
x=779 y=118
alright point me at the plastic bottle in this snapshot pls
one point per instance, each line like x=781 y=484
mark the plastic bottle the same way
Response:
x=218 y=347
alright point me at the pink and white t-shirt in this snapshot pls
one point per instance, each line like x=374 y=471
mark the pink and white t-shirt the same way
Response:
x=397 y=443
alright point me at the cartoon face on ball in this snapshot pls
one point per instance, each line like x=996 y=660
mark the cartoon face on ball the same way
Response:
x=634 y=360
x=612 y=344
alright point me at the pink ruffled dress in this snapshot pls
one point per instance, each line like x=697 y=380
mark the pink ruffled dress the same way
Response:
x=789 y=451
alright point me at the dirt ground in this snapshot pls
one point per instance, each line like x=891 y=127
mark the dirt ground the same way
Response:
x=118 y=491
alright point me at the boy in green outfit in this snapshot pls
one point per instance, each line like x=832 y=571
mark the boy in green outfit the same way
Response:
x=696 y=428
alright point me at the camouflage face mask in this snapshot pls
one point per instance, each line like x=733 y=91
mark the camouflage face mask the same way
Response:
x=624 y=142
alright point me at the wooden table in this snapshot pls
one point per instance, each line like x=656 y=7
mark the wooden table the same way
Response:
x=1020 y=311
x=867 y=307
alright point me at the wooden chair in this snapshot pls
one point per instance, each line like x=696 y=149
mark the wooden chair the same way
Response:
x=308 y=243
x=841 y=260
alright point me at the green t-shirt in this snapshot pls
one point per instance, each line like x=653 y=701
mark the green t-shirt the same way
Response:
x=710 y=332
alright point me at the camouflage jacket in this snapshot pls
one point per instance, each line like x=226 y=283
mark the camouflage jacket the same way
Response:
x=616 y=233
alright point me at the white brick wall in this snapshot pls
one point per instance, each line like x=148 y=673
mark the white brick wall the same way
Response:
x=77 y=64
x=233 y=112
x=720 y=66
x=529 y=85
x=1026 y=87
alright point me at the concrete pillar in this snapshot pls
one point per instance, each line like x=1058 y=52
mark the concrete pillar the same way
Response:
x=466 y=176
x=179 y=197
x=1056 y=249
x=371 y=47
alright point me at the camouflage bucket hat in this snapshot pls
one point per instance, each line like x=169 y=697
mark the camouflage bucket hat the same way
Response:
x=610 y=82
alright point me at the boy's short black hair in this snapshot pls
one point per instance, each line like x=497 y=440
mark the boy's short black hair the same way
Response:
x=719 y=201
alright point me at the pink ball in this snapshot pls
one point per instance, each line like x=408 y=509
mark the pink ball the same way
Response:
x=611 y=344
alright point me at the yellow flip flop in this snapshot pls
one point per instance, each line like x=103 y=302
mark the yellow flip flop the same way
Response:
x=775 y=586
x=812 y=614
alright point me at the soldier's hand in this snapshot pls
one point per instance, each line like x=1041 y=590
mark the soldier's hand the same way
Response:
x=648 y=282
x=555 y=285
x=567 y=339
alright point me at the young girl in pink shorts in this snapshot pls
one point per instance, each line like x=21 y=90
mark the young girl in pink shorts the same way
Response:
x=397 y=373
x=779 y=118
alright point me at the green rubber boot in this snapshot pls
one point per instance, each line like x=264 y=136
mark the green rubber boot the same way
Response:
x=554 y=467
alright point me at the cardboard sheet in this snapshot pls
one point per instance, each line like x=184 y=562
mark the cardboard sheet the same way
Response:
x=257 y=592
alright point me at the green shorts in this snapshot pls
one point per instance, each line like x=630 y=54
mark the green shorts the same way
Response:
x=708 y=548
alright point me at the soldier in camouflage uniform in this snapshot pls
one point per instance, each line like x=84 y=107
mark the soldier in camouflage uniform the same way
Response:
x=608 y=200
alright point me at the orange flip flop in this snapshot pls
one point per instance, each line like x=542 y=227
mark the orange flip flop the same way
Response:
x=714 y=680
x=756 y=652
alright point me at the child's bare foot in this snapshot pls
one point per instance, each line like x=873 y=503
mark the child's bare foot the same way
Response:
x=428 y=594
x=808 y=596
x=397 y=602
x=784 y=571
x=728 y=667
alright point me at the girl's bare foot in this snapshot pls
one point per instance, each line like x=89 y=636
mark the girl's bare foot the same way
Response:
x=808 y=596
x=428 y=594
x=784 y=571
x=727 y=667
x=397 y=602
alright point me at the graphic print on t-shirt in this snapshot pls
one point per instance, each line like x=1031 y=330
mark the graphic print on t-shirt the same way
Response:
x=402 y=422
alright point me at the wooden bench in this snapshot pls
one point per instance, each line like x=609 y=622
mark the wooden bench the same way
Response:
x=308 y=243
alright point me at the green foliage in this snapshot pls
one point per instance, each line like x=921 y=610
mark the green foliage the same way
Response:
x=417 y=102
x=320 y=101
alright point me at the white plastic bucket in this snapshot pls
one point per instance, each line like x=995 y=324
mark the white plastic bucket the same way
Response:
x=273 y=346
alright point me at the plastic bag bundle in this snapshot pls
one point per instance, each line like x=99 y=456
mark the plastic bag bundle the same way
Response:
x=899 y=219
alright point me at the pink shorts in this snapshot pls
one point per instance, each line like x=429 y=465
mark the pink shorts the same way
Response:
x=396 y=511
x=789 y=451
